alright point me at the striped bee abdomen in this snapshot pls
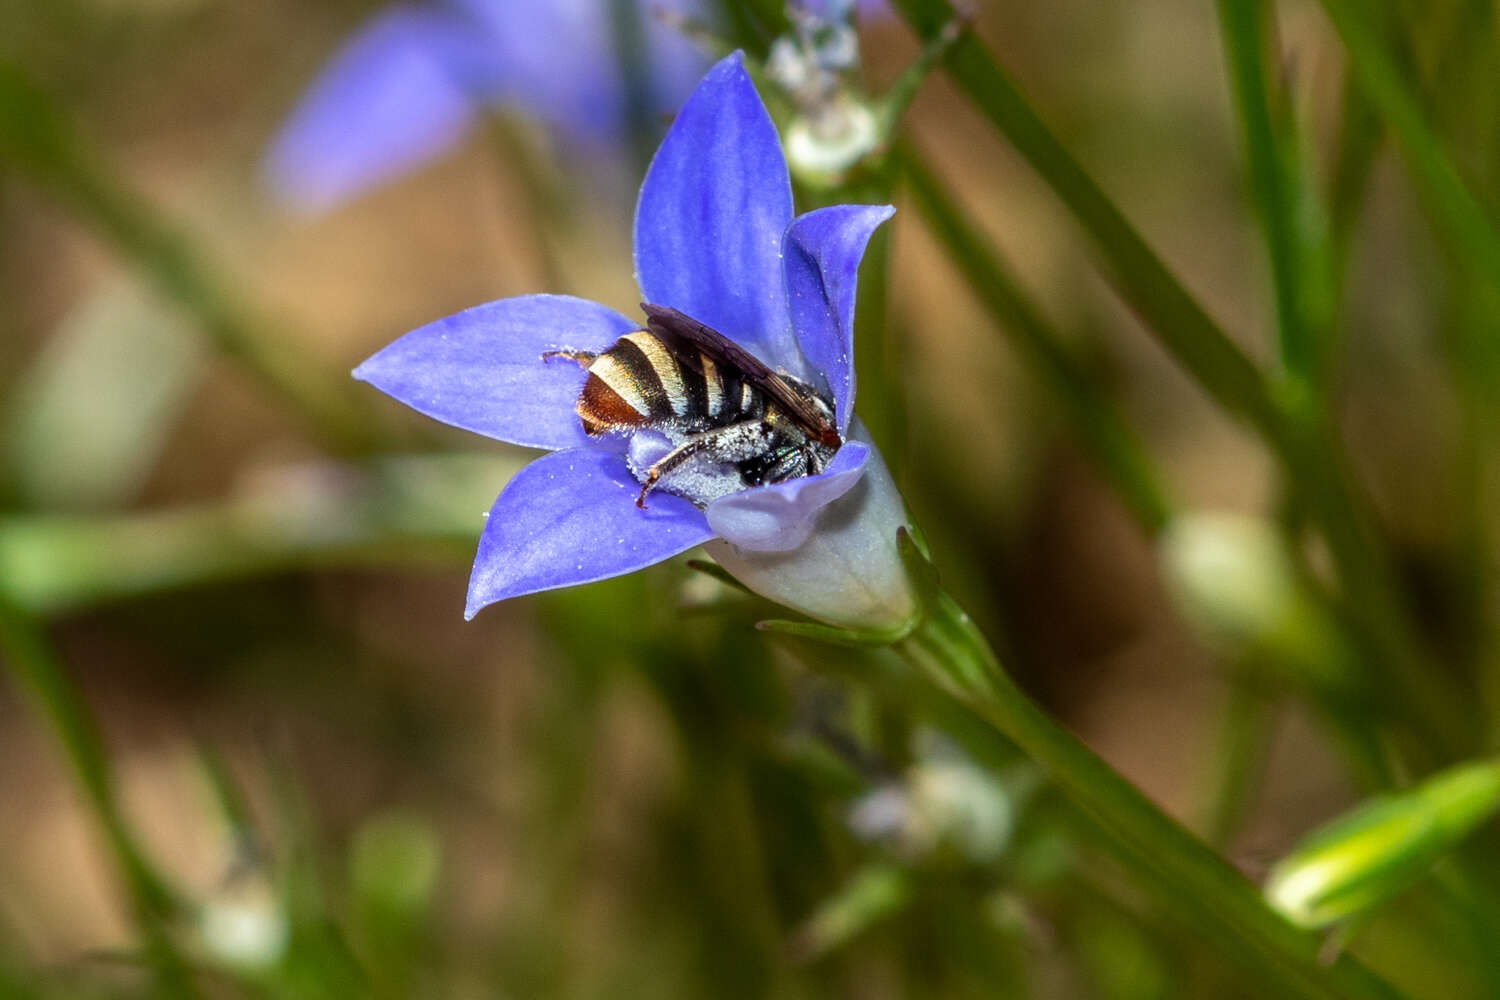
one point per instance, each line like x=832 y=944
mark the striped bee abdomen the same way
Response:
x=643 y=381
x=729 y=397
x=601 y=408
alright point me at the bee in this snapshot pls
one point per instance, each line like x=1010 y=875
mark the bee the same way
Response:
x=731 y=422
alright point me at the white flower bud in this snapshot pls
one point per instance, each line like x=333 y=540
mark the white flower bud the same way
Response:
x=1235 y=581
x=245 y=927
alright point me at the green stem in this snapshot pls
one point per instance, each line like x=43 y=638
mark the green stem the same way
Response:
x=1359 y=140
x=1409 y=683
x=950 y=651
x=757 y=22
x=1460 y=215
x=39 y=140
x=1187 y=331
x=1238 y=761
x=1305 y=443
x=1471 y=900
x=40 y=674
x=633 y=59
x=1272 y=181
x=874 y=894
x=1109 y=440
x=413 y=507
x=1360 y=135
x=544 y=208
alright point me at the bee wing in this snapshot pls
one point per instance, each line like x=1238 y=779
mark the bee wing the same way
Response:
x=674 y=327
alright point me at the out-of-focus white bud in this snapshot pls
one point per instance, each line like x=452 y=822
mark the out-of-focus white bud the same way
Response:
x=1234 y=579
x=833 y=129
x=822 y=148
x=964 y=807
x=942 y=807
x=245 y=926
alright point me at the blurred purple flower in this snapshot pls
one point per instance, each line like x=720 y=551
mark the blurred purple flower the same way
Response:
x=410 y=83
x=715 y=237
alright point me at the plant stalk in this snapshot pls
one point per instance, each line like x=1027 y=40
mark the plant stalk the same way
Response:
x=40 y=141
x=949 y=650
x=1244 y=25
x=1103 y=432
x=1436 y=710
x=41 y=675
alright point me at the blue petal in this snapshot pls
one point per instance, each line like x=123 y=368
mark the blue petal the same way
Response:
x=482 y=369
x=571 y=518
x=524 y=38
x=779 y=517
x=712 y=213
x=390 y=100
x=822 y=254
x=587 y=102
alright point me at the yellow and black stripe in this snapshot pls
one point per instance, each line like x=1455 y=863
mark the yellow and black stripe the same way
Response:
x=644 y=380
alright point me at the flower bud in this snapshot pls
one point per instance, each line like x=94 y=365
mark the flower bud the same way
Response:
x=944 y=808
x=822 y=148
x=833 y=129
x=1382 y=846
x=963 y=807
x=1234 y=579
x=245 y=926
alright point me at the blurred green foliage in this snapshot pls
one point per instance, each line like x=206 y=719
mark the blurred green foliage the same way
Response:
x=231 y=585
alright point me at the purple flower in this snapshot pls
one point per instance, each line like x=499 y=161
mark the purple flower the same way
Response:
x=716 y=239
x=410 y=83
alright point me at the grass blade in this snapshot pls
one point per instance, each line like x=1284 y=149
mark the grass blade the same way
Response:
x=1273 y=179
x=38 y=140
x=1103 y=432
x=1458 y=213
x=1178 y=320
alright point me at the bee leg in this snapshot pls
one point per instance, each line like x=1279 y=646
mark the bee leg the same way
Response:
x=652 y=475
x=670 y=461
x=665 y=464
x=733 y=443
x=584 y=358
